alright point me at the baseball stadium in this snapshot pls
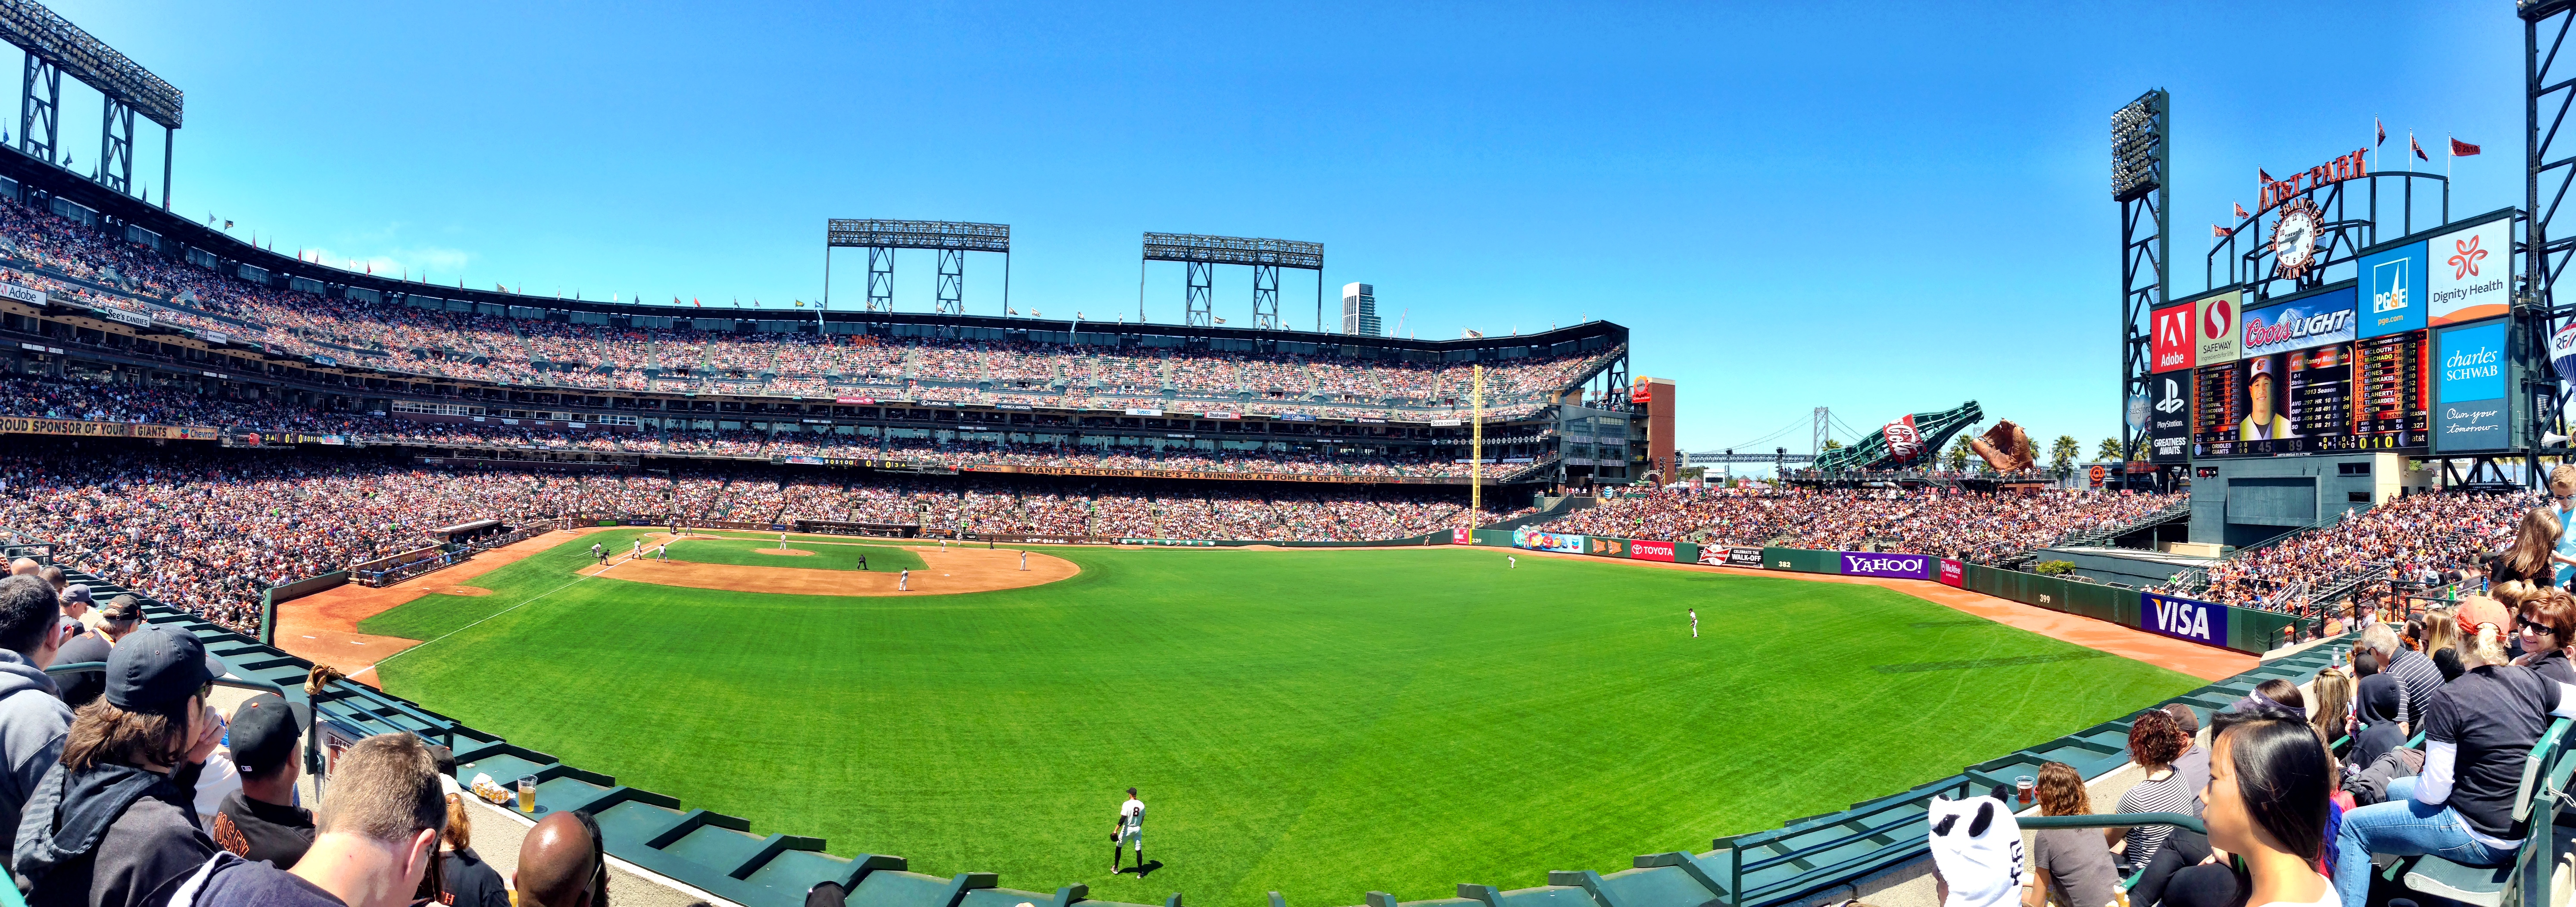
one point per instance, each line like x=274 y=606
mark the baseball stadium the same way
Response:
x=859 y=603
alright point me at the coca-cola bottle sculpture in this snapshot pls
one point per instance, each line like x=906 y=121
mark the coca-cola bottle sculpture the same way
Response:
x=1907 y=442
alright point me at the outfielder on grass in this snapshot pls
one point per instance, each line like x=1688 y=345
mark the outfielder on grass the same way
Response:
x=1129 y=830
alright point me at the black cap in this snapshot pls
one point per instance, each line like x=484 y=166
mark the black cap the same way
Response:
x=157 y=666
x=263 y=734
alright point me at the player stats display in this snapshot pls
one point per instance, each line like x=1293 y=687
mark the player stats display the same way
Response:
x=2303 y=380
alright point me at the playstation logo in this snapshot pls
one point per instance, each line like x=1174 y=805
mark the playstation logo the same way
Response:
x=2173 y=401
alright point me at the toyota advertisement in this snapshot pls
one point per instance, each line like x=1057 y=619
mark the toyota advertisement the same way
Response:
x=1896 y=566
x=1646 y=550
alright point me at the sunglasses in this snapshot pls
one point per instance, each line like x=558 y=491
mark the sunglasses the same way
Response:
x=2529 y=627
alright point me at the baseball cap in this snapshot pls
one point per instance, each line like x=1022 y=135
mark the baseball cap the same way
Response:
x=263 y=733
x=78 y=592
x=2479 y=609
x=121 y=609
x=2262 y=368
x=157 y=666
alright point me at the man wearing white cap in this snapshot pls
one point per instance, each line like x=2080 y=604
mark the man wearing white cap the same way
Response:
x=2261 y=422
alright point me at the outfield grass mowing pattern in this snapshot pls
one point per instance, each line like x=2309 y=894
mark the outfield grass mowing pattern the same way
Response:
x=1321 y=723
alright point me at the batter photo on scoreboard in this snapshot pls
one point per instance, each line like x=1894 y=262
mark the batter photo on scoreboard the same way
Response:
x=2266 y=418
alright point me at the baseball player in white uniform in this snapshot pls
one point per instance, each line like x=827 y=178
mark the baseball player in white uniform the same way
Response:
x=1129 y=830
x=1694 y=613
x=662 y=552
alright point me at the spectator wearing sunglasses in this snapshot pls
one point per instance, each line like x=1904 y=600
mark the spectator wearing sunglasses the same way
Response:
x=2546 y=623
x=114 y=824
x=2562 y=499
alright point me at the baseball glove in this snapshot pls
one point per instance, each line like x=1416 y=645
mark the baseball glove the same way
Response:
x=2005 y=447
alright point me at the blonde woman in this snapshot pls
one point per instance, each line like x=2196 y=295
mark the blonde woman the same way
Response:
x=2332 y=714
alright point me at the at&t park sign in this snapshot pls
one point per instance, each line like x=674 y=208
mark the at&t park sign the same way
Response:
x=2348 y=167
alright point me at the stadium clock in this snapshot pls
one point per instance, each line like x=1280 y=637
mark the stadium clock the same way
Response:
x=2294 y=239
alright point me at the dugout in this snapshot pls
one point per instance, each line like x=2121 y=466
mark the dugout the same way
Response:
x=464 y=532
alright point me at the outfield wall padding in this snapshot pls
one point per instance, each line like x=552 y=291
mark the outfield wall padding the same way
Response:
x=1802 y=561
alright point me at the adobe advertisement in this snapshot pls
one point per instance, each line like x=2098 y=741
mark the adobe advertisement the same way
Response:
x=2392 y=290
x=2466 y=271
x=2171 y=346
x=2470 y=390
x=2214 y=327
x=1898 y=566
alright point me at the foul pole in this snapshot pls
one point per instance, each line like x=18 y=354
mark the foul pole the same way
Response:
x=1476 y=448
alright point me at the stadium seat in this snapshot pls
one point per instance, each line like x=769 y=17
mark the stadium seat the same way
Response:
x=2486 y=886
x=1550 y=895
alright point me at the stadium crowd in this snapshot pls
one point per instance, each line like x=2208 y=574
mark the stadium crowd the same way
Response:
x=211 y=530
x=125 y=787
x=2412 y=539
x=1965 y=526
x=64 y=257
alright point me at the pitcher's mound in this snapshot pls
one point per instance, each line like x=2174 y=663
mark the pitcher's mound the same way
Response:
x=783 y=552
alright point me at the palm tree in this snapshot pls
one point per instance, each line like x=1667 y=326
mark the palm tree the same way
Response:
x=1959 y=454
x=2062 y=453
x=2109 y=451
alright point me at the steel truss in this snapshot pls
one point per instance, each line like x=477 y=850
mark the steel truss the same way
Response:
x=40 y=111
x=2549 y=89
x=2146 y=251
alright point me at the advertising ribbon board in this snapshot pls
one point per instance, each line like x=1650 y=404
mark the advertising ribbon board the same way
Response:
x=1954 y=573
x=2183 y=618
x=1897 y=566
x=1535 y=540
x=1646 y=550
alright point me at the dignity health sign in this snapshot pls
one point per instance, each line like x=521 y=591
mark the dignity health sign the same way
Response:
x=1895 y=566
x=2183 y=618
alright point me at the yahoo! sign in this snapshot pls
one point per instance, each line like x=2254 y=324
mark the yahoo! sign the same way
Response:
x=2183 y=618
x=1898 y=566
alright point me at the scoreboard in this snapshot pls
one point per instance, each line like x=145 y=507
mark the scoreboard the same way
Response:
x=2300 y=378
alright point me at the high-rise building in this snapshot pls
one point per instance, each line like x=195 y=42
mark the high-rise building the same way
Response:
x=1359 y=311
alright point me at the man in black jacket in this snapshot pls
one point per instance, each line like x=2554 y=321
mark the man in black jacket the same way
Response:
x=113 y=825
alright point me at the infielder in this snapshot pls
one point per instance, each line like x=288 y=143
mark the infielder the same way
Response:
x=662 y=552
x=903 y=580
x=1130 y=829
x=599 y=552
x=1024 y=560
x=639 y=550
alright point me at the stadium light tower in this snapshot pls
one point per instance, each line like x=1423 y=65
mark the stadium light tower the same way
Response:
x=1266 y=256
x=952 y=239
x=55 y=47
x=2139 y=133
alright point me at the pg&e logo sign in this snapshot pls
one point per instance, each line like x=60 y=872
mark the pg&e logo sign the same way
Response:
x=2183 y=618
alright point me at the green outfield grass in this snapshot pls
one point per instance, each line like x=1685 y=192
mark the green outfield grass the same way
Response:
x=1321 y=723
x=825 y=556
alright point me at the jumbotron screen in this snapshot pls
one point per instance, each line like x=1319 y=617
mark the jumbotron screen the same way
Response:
x=2297 y=374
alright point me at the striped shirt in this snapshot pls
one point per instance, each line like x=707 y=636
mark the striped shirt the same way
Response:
x=2417 y=680
x=2161 y=796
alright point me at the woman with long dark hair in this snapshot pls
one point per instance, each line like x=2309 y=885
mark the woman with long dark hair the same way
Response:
x=2267 y=806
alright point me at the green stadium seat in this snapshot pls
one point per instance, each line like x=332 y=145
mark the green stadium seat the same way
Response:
x=1542 y=896
x=898 y=888
x=1009 y=897
x=1442 y=902
x=2486 y=886
x=2435 y=876
x=1647 y=886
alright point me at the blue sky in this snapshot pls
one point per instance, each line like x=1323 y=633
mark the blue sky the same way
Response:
x=1881 y=209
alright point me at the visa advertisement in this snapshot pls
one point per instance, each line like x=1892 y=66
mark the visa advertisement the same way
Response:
x=2469 y=388
x=2183 y=618
x=1899 y=566
x=2214 y=327
x=2466 y=273
x=2392 y=299
x=2309 y=321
